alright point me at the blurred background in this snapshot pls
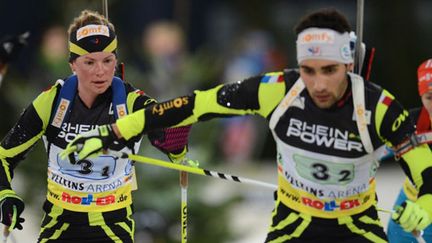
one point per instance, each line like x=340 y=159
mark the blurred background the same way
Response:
x=171 y=47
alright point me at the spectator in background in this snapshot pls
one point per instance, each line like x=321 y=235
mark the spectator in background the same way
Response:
x=253 y=54
x=166 y=64
x=51 y=57
x=166 y=56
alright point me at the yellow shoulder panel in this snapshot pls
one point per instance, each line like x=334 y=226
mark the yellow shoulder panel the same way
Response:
x=44 y=103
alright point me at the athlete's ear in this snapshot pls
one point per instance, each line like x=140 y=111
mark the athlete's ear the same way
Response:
x=72 y=67
x=350 y=67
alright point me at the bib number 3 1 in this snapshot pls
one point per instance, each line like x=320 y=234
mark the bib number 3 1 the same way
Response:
x=98 y=168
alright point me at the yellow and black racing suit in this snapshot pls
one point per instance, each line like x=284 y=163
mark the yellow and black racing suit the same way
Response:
x=326 y=177
x=395 y=232
x=90 y=200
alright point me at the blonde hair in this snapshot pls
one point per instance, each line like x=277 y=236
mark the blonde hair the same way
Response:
x=89 y=17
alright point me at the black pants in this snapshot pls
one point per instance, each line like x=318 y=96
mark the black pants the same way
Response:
x=60 y=225
x=291 y=226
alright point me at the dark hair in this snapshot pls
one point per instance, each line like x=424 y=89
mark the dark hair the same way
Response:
x=328 y=18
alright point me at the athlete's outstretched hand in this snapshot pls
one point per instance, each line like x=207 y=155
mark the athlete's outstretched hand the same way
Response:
x=11 y=207
x=411 y=216
x=90 y=144
x=172 y=141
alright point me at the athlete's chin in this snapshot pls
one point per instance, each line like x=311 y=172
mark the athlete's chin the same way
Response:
x=100 y=89
x=323 y=106
x=323 y=103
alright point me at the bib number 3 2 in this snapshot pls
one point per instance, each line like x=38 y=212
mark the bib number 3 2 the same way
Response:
x=324 y=172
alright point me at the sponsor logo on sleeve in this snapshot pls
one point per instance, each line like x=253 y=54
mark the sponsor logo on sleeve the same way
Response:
x=168 y=105
x=399 y=120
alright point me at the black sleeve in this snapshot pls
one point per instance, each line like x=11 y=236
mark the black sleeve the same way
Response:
x=143 y=101
x=240 y=95
x=414 y=114
x=397 y=124
x=237 y=96
x=18 y=142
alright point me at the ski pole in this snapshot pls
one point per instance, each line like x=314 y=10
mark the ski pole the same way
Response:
x=359 y=32
x=105 y=8
x=417 y=234
x=184 y=208
x=193 y=170
x=6 y=233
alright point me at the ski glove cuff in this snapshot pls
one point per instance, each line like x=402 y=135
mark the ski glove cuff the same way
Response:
x=11 y=207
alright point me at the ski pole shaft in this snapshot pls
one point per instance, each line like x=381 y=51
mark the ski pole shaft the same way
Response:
x=184 y=208
x=194 y=170
x=6 y=233
x=359 y=33
x=105 y=8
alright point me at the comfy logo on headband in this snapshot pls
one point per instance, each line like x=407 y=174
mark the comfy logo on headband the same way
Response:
x=317 y=37
x=90 y=30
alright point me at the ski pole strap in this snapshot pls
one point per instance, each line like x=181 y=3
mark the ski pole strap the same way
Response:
x=411 y=142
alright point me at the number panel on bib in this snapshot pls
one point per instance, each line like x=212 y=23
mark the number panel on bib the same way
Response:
x=98 y=168
x=324 y=172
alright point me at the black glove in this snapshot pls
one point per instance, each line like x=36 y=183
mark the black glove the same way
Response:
x=11 y=207
x=10 y=46
x=90 y=144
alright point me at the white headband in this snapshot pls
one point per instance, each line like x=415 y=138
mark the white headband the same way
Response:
x=327 y=44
